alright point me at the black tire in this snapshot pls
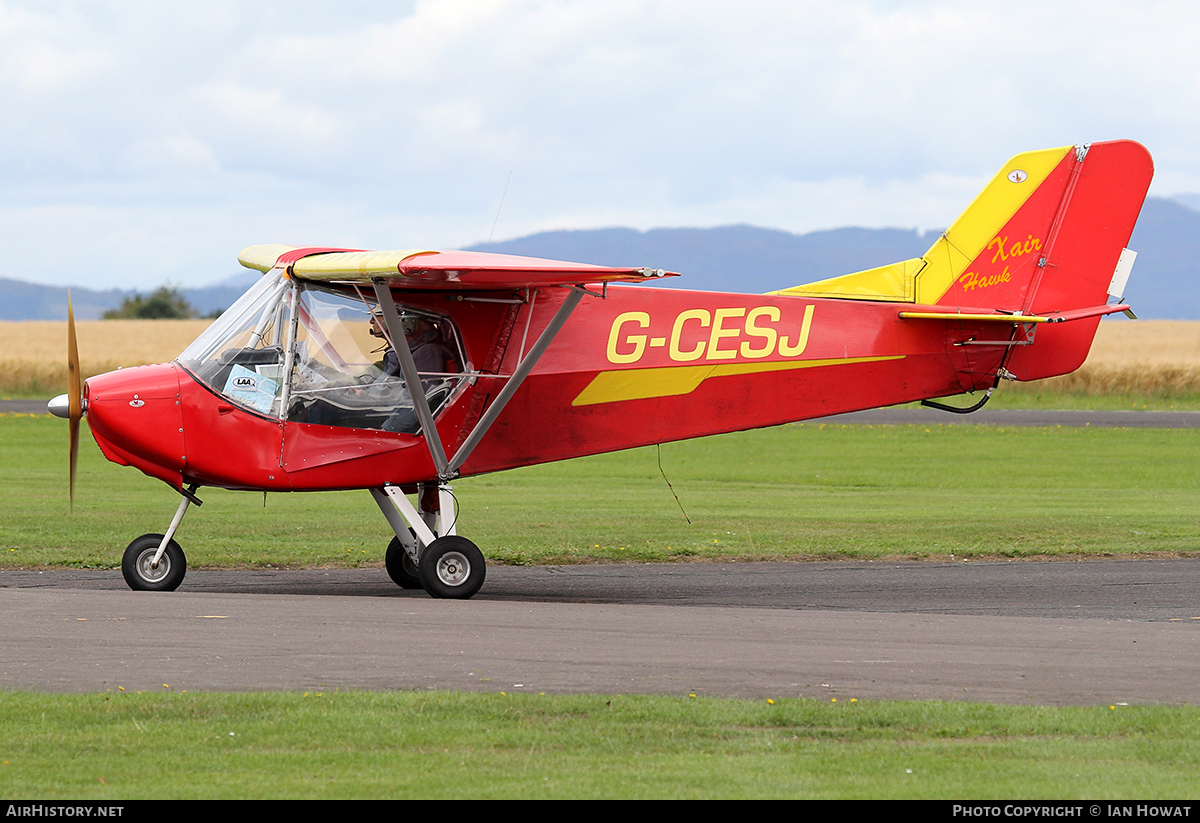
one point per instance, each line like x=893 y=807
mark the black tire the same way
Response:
x=451 y=567
x=135 y=565
x=400 y=567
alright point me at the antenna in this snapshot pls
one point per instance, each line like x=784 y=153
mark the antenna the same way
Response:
x=497 y=220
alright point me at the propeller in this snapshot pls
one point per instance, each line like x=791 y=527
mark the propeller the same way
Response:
x=74 y=392
x=70 y=405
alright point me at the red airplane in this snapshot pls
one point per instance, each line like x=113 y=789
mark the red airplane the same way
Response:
x=309 y=381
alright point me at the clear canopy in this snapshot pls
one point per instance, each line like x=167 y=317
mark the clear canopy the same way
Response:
x=320 y=355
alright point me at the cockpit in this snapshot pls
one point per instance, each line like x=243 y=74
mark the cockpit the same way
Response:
x=313 y=354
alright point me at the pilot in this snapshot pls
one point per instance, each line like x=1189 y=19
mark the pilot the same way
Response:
x=380 y=389
x=390 y=366
x=424 y=342
x=429 y=355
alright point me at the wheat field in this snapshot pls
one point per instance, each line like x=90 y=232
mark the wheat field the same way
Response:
x=1144 y=357
x=33 y=353
x=1155 y=357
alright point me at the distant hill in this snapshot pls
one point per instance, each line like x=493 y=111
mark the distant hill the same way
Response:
x=20 y=300
x=728 y=258
x=1192 y=201
x=1165 y=284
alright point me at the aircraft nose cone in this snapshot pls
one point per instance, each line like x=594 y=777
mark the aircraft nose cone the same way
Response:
x=60 y=406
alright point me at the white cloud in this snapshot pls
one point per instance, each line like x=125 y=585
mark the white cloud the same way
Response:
x=195 y=129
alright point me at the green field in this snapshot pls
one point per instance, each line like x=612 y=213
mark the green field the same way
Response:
x=1037 y=396
x=446 y=745
x=806 y=491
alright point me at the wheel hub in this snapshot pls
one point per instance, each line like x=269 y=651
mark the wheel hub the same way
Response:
x=453 y=569
x=146 y=568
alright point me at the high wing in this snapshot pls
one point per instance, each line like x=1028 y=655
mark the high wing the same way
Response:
x=428 y=269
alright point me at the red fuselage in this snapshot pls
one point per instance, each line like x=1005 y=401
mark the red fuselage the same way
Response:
x=639 y=366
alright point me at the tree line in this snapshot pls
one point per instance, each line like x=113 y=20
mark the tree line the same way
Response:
x=165 y=303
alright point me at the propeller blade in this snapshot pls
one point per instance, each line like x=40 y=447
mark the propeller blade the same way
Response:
x=74 y=392
x=74 y=456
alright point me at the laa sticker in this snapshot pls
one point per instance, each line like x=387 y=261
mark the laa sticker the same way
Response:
x=1018 y=176
x=254 y=390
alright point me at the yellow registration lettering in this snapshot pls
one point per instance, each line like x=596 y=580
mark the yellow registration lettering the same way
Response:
x=677 y=330
x=719 y=332
x=787 y=349
x=767 y=333
x=638 y=341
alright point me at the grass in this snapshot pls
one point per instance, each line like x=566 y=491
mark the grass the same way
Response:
x=1039 y=396
x=806 y=491
x=445 y=745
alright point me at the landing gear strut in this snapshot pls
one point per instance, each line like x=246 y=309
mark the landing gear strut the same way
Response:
x=455 y=568
x=154 y=562
x=445 y=566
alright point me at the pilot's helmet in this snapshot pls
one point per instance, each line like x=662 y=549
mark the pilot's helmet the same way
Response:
x=410 y=323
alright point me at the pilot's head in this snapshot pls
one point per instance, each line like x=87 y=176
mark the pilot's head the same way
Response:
x=414 y=325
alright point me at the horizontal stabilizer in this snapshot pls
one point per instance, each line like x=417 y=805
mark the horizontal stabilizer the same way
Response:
x=1015 y=319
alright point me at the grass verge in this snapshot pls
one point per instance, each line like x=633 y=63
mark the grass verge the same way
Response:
x=807 y=491
x=449 y=745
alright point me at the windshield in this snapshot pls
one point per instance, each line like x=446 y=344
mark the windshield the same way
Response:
x=241 y=354
x=341 y=370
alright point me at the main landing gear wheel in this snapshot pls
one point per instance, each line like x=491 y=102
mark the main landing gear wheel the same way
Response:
x=400 y=567
x=135 y=565
x=451 y=567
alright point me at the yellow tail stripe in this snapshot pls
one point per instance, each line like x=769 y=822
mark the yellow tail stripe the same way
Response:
x=925 y=279
x=991 y=209
x=671 y=381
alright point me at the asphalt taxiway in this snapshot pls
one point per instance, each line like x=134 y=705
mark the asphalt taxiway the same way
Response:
x=1050 y=633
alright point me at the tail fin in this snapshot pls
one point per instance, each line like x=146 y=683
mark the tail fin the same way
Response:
x=1044 y=237
x=1046 y=233
x=1095 y=198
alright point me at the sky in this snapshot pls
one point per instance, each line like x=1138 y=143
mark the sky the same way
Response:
x=144 y=143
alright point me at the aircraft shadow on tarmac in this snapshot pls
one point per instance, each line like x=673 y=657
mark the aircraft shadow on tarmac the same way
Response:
x=1103 y=589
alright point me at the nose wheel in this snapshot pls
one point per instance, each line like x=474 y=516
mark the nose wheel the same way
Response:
x=154 y=562
x=143 y=574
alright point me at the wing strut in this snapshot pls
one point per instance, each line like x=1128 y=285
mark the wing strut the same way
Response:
x=449 y=469
x=411 y=378
x=518 y=377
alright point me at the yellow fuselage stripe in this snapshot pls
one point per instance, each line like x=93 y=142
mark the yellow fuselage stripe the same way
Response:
x=671 y=381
